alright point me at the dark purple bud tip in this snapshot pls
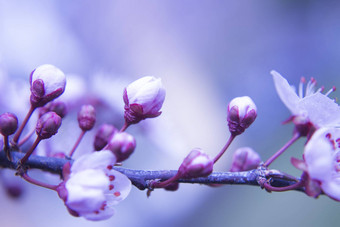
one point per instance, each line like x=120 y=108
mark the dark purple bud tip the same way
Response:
x=48 y=125
x=103 y=135
x=57 y=107
x=122 y=145
x=8 y=124
x=87 y=117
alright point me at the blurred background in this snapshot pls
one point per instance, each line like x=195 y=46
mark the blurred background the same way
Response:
x=206 y=52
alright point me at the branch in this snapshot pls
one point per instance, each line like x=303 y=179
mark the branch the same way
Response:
x=141 y=178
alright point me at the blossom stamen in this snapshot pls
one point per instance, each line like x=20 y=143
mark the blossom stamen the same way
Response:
x=302 y=82
x=330 y=90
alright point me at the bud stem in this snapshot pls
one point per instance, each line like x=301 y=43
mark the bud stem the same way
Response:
x=30 y=151
x=6 y=148
x=38 y=183
x=230 y=140
x=297 y=185
x=125 y=126
x=165 y=183
x=77 y=142
x=26 y=138
x=295 y=137
x=22 y=126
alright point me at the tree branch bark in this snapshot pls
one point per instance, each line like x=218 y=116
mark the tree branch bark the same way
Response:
x=141 y=178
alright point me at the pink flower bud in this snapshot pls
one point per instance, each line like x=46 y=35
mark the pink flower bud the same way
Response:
x=241 y=114
x=104 y=133
x=57 y=107
x=48 y=125
x=47 y=83
x=245 y=159
x=143 y=99
x=122 y=145
x=8 y=124
x=196 y=164
x=87 y=117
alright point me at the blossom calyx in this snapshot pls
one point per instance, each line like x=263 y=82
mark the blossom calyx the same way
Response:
x=87 y=117
x=245 y=159
x=143 y=99
x=122 y=145
x=47 y=83
x=48 y=125
x=196 y=164
x=8 y=124
x=103 y=135
x=242 y=113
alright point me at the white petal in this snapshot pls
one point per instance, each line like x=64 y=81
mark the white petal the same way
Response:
x=101 y=215
x=285 y=92
x=122 y=188
x=332 y=188
x=321 y=110
x=52 y=77
x=135 y=86
x=319 y=154
x=95 y=160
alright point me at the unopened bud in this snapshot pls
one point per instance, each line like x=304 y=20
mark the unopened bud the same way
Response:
x=196 y=164
x=87 y=117
x=143 y=99
x=47 y=83
x=103 y=135
x=8 y=124
x=245 y=159
x=242 y=113
x=122 y=145
x=57 y=107
x=48 y=125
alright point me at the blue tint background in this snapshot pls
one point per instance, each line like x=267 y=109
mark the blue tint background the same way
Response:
x=206 y=53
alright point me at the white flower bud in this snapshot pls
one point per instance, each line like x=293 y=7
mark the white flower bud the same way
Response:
x=143 y=99
x=245 y=159
x=47 y=83
x=196 y=164
x=242 y=113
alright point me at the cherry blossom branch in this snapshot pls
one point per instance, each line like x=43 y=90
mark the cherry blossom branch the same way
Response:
x=141 y=178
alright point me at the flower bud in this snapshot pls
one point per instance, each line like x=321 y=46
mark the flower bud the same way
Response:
x=8 y=124
x=245 y=159
x=87 y=117
x=103 y=135
x=196 y=164
x=143 y=99
x=241 y=114
x=57 y=107
x=48 y=125
x=122 y=145
x=47 y=83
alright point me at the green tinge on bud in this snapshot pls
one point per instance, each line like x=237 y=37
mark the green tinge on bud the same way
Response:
x=122 y=145
x=242 y=112
x=87 y=117
x=196 y=164
x=48 y=125
x=103 y=135
x=8 y=124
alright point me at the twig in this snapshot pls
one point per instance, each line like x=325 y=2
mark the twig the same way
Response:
x=142 y=178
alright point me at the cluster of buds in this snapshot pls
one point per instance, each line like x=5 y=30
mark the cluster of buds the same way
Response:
x=91 y=185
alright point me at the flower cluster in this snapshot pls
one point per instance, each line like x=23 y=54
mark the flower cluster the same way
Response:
x=91 y=183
